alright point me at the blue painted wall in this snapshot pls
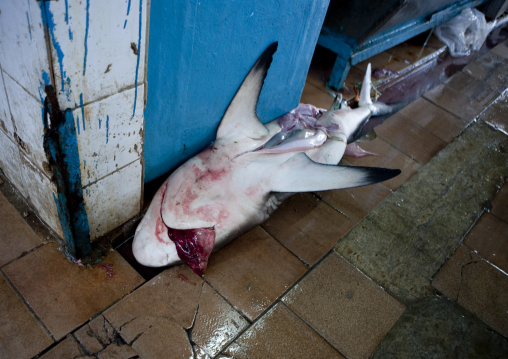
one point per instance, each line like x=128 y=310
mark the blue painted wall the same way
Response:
x=199 y=52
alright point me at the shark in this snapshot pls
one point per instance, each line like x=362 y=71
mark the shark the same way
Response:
x=250 y=168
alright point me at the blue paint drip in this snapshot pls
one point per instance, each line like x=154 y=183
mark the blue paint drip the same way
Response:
x=29 y=27
x=107 y=128
x=82 y=110
x=100 y=121
x=125 y=23
x=128 y=7
x=139 y=54
x=77 y=122
x=70 y=34
x=86 y=34
x=66 y=12
x=47 y=19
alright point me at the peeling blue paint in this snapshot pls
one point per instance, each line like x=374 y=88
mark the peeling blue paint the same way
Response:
x=82 y=110
x=61 y=148
x=70 y=34
x=77 y=122
x=45 y=81
x=107 y=128
x=66 y=12
x=86 y=34
x=139 y=55
x=48 y=21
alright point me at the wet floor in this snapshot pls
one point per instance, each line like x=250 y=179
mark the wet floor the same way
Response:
x=415 y=267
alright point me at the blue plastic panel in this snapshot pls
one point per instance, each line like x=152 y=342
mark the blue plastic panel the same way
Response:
x=198 y=55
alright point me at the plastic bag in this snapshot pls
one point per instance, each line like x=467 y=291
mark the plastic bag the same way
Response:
x=465 y=33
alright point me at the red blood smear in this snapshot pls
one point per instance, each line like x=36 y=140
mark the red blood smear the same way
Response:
x=193 y=246
x=183 y=278
x=109 y=270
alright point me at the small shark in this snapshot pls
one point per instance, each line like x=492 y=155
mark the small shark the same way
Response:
x=237 y=182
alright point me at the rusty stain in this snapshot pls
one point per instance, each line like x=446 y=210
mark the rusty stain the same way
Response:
x=108 y=68
x=134 y=48
x=22 y=143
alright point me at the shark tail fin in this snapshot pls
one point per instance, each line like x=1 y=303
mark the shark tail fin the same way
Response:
x=301 y=174
x=376 y=108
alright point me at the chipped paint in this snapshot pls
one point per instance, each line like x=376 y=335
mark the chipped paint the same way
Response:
x=139 y=54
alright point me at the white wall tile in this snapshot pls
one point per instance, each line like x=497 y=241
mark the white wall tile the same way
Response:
x=10 y=162
x=41 y=193
x=96 y=41
x=23 y=52
x=109 y=138
x=113 y=200
x=28 y=122
x=5 y=113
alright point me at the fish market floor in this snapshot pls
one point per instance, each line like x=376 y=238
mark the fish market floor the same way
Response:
x=415 y=267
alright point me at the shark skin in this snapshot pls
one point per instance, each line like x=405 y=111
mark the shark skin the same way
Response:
x=237 y=182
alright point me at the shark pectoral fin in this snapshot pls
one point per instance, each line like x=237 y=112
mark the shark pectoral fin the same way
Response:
x=301 y=174
x=240 y=120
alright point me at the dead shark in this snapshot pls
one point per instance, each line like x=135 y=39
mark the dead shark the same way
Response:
x=237 y=182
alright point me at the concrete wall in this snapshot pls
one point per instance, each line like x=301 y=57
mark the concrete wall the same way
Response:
x=93 y=52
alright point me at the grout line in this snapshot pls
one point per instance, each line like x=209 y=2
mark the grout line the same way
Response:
x=28 y=306
x=314 y=330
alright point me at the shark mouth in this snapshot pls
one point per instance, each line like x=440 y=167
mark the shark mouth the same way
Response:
x=193 y=246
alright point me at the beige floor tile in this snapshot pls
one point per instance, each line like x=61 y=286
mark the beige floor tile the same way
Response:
x=64 y=295
x=316 y=96
x=489 y=238
x=389 y=157
x=477 y=286
x=463 y=96
x=280 y=334
x=253 y=271
x=16 y=236
x=411 y=139
x=21 y=335
x=356 y=203
x=171 y=303
x=501 y=50
x=349 y=310
x=383 y=60
x=307 y=226
x=67 y=348
x=437 y=121
x=496 y=115
x=500 y=204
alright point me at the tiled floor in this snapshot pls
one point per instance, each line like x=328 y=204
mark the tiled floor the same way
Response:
x=415 y=267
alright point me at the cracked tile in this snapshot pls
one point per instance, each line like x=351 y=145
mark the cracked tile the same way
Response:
x=65 y=295
x=307 y=226
x=437 y=328
x=96 y=335
x=280 y=334
x=179 y=306
x=342 y=305
x=477 y=286
x=16 y=236
x=253 y=271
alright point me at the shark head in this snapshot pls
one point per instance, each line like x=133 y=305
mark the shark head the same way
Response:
x=237 y=182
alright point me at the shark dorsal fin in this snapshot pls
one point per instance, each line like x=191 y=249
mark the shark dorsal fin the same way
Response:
x=301 y=174
x=240 y=120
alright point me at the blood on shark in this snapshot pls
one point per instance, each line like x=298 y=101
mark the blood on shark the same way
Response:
x=236 y=183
